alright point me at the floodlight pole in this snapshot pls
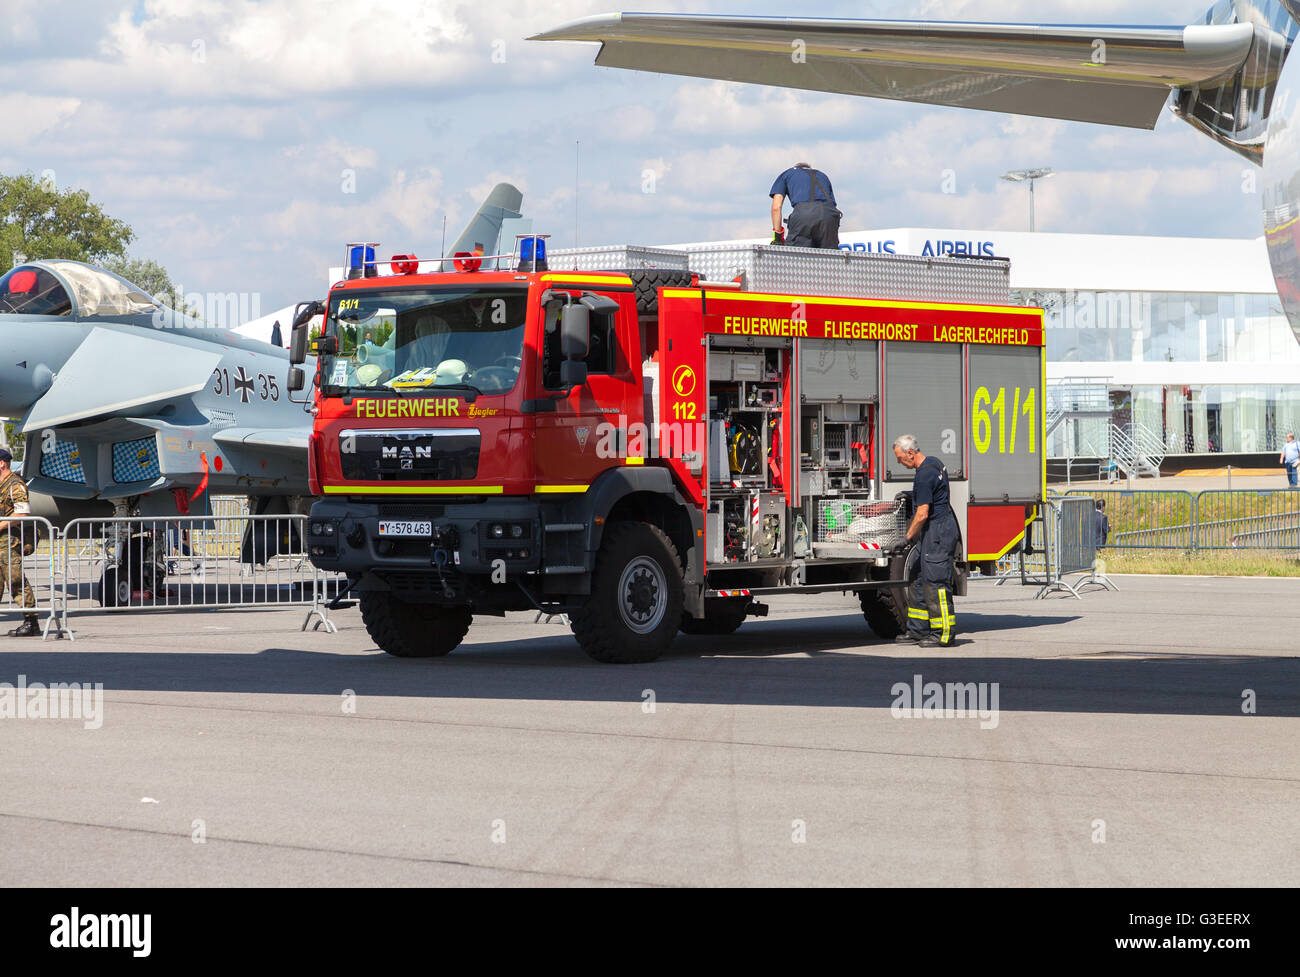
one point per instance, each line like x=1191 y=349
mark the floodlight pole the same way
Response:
x=1031 y=177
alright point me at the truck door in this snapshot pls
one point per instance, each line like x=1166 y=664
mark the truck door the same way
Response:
x=585 y=434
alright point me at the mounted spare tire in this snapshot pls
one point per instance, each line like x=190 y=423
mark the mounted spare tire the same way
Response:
x=648 y=281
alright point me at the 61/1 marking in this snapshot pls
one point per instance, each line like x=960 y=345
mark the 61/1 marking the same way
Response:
x=986 y=406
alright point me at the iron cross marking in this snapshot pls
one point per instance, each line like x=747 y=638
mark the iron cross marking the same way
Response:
x=244 y=384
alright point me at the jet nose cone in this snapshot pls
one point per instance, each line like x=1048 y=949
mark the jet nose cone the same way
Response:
x=22 y=383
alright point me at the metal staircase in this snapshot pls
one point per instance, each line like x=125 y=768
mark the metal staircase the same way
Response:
x=1136 y=450
x=1133 y=450
x=1077 y=398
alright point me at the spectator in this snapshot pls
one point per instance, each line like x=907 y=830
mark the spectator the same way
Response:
x=1101 y=524
x=1291 y=458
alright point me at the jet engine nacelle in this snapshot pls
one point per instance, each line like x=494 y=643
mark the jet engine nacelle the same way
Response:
x=1281 y=194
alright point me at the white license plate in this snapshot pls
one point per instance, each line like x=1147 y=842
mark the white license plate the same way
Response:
x=404 y=527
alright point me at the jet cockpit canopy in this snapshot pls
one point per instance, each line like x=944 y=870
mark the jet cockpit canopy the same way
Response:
x=62 y=288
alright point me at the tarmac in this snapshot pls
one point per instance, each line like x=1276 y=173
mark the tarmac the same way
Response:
x=1141 y=738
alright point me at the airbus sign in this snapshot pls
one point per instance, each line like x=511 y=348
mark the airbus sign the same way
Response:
x=930 y=248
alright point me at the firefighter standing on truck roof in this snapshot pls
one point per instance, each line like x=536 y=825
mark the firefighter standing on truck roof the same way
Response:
x=13 y=502
x=815 y=220
x=931 y=620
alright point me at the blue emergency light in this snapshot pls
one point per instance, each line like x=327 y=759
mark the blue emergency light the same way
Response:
x=361 y=261
x=532 y=252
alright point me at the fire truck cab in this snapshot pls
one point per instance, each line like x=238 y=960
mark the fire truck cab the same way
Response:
x=651 y=441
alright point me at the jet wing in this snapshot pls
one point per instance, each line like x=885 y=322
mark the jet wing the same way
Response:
x=113 y=371
x=1112 y=75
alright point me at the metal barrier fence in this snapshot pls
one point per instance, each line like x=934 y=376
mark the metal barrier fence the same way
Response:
x=1242 y=519
x=1075 y=542
x=1062 y=543
x=1148 y=520
x=1216 y=519
x=175 y=562
x=30 y=569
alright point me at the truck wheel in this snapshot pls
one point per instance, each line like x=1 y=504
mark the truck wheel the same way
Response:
x=635 y=605
x=886 y=610
x=412 y=630
x=722 y=615
x=881 y=612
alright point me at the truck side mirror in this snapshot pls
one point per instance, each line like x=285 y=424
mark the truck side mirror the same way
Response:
x=575 y=332
x=297 y=379
x=302 y=316
x=573 y=373
x=298 y=347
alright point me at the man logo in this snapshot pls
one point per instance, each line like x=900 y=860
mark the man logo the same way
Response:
x=405 y=452
x=684 y=381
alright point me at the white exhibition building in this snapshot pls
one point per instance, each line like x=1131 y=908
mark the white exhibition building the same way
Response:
x=1186 y=334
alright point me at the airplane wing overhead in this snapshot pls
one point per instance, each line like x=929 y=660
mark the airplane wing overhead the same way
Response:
x=1112 y=75
x=112 y=371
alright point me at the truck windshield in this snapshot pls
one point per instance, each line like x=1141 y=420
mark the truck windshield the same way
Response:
x=412 y=339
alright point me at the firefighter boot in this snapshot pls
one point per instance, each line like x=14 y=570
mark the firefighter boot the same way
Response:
x=28 y=629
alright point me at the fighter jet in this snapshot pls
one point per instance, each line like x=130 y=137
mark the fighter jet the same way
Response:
x=122 y=400
x=1229 y=77
x=131 y=407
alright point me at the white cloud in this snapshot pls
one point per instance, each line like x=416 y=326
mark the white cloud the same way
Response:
x=724 y=109
x=28 y=116
x=229 y=168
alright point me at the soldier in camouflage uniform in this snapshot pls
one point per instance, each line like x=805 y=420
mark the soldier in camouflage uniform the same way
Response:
x=13 y=502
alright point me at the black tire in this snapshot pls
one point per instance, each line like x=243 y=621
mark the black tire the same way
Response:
x=882 y=613
x=635 y=605
x=722 y=615
x=114 y=592
x=408 y=630
x=648 y=281
x=886 y=610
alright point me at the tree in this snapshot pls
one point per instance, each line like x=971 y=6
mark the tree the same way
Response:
x=11 y=440
x=37 y=220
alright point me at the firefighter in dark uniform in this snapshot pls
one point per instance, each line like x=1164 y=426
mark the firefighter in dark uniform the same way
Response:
x=13 y=502
x=931 y=620
x=815 y=220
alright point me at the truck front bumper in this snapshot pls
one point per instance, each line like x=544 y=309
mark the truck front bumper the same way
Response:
x=492 y=538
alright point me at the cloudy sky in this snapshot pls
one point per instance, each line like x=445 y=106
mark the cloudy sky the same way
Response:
x=223 y=130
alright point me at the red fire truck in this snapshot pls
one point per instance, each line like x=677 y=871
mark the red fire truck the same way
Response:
x=654 y=449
